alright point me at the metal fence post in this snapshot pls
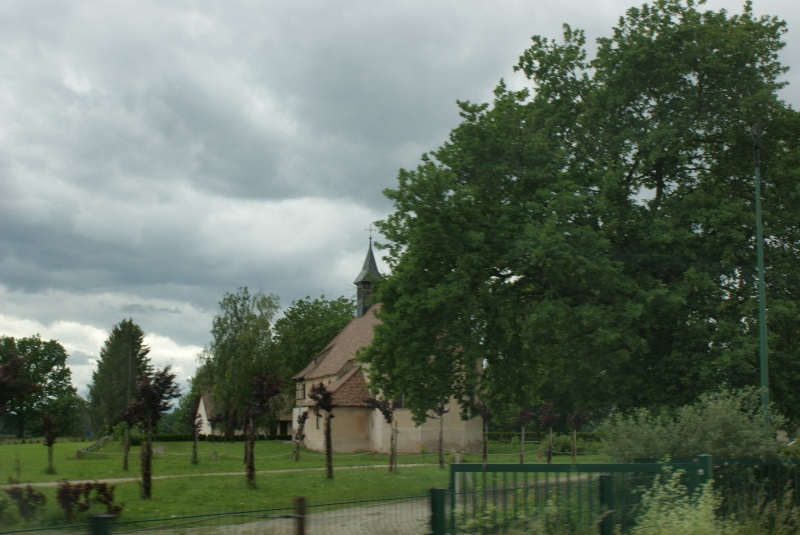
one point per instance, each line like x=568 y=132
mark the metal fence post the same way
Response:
x=706 y=470
x=607 y=504
x=300 y=515
x=100 y=524
x=437 y=512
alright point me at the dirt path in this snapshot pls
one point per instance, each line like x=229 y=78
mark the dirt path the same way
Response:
x=213 y=474
x=410 y=517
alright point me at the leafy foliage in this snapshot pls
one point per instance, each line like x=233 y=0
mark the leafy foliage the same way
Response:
x=28 y=500
x=123 y=362
x=241 y=349
x=725 y=424
x=77 y=497
x=13 y=380
x=595 y=233
x=242 y=368
x=154 y=397
x=44 y=364
x=668 y=507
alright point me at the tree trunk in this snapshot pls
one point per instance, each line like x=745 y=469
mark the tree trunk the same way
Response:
x=194 y=448
x=550 y=447
x=328 y=447
x=249 y=459
x=574 y=446
x=522 y=446
x=21 y=424
x=126 y=448
x=50 y=468
x=485 y=452
x=441 y=442
x=146 y=457
x=393 y=447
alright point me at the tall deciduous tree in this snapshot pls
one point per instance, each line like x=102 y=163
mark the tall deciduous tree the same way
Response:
x=123 y=362
x=595 y=233
x=242 y=351
x=14 y=381
x=153 y=397
x=45 y=364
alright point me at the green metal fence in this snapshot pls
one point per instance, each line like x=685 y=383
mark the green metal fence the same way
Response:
x=601 y=498
x=577 y=498
x=497 y=498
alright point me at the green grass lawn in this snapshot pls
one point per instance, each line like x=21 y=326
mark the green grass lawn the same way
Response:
x=202 y=490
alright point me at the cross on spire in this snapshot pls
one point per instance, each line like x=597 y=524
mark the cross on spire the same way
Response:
x=370 y=233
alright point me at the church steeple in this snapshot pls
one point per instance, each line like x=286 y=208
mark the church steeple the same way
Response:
x=366 y=282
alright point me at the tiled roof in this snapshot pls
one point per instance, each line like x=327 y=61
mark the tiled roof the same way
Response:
x=351 y=389
x=343 y=348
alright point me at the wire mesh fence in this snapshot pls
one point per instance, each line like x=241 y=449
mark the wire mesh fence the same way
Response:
x=398 y=516
x=504 y=498
x=553 y=498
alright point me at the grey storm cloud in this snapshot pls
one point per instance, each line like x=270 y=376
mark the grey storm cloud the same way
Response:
x=155 y=155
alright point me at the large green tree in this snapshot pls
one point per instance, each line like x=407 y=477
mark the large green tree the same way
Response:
x=45 y=364
x=241 y=366
x=307 y=326
x=123 y=362
x=590 y=241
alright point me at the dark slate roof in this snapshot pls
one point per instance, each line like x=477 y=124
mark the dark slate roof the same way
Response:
x=369 y=271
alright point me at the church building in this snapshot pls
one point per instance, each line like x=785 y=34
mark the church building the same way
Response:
x=356 y=427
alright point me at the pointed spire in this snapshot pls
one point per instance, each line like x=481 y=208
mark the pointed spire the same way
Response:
x=369 y=271
x=366 y=281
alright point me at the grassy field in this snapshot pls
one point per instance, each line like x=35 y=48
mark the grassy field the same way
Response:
x=217 y=483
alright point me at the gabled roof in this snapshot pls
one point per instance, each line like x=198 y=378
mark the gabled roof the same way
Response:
x=351 y=389
x=340 y=353
x=207 y=401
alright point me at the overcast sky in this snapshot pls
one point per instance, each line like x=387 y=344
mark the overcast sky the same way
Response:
x=155 y=155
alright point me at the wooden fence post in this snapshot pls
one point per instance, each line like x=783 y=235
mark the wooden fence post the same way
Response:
x=300 y=515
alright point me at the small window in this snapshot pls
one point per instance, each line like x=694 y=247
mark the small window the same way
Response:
x=317 y=421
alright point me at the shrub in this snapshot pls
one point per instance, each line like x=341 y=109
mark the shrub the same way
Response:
x=724 y=424
x=28 y=500
x=77 y=498
x=668 y=507
x=72 y=498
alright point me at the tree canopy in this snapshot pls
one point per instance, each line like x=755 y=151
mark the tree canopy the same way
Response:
x=242 y=349
x=45 y=365
x=123 y=363
x=590 y=240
